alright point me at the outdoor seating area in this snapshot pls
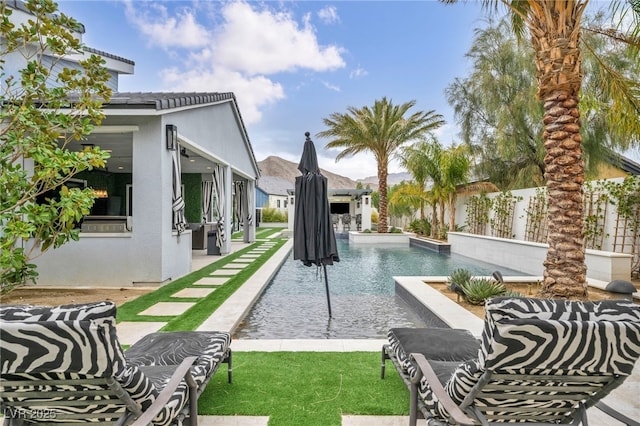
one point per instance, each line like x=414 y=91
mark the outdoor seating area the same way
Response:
x=64 y=364
x=157 y=354
x=538 y=361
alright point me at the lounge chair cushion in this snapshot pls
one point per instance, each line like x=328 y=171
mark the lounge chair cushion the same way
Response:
x=82 y=344
x=61 y=350
x=577 y=346
x=84 y=311
x=438 y=344
x=158 y=349
x=502 y=309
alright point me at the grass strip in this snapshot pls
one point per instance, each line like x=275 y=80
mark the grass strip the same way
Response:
x=197 y=314
x=305 y=388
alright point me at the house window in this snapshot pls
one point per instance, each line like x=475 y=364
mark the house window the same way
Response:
x=278 y=203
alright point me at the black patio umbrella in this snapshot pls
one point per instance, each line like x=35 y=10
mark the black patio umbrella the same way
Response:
x=314 y=242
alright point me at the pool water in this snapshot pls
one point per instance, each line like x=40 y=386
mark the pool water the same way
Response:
x=362 y=292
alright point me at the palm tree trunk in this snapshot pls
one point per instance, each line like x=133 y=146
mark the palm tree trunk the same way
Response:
x=555 y=34
x=565 y=269
x=382 y=188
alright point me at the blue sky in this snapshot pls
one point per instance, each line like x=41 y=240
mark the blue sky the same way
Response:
x=291 y=64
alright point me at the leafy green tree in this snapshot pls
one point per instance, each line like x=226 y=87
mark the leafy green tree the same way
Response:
x=501 y=116
x=405 y=198
x=555 y=29
x=39 y=120
x=382 y=130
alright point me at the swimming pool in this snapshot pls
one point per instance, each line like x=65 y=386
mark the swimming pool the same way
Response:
x=363 y=299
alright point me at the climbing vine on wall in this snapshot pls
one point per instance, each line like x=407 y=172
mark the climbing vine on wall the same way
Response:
x=504 y=205
x=536 y=227
x=596 y=200
x=625 y=196
x=478 y=208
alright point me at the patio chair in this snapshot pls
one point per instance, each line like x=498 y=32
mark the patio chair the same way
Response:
x=64 y=364
x=334 y=221
x=346 y=222
x=540 y=362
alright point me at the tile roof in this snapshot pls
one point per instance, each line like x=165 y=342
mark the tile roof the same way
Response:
x=273 y=185
x=108 y=55
x=164 y=100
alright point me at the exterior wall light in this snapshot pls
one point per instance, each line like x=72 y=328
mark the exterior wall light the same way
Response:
x=172 y=137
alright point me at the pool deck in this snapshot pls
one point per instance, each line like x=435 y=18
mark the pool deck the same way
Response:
x=226 y=317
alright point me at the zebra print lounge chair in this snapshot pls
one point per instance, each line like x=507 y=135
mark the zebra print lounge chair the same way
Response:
x=540 y=362
x=64 y=364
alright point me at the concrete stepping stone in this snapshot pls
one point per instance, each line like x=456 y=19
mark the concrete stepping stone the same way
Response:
x=235 y=265
x=239 y=420
x=226 y=272
x=211 y=281
x=194 y=292
x=162 y=309
x=129 y=332
x=250 y=256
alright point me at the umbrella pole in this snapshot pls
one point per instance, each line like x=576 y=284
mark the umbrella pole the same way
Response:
x=326 y=284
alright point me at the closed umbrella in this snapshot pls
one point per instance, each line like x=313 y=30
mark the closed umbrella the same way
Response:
x=314 y=241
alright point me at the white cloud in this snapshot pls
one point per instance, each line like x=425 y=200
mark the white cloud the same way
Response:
x=161 y=29
x=266 y=41
x=331 y=86
x=329 y=15
x=252 y=93
x=358 y=72
x=239 y=49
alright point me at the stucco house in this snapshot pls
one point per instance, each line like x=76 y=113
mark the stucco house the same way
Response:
x=271 y=192
x=176 y=159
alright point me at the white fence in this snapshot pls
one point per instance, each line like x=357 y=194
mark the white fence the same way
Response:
x=520 y=216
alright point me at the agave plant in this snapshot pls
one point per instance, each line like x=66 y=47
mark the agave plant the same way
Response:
x=477 y=290
x=460 y=277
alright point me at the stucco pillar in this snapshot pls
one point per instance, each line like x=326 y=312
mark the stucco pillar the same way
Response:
x=366 y=212
x=249 y=206
x=291 y=211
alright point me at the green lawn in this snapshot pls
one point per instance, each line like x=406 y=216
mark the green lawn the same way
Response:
x=305 y=388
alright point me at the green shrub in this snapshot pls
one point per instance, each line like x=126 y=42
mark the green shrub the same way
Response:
x=460 y=277
x=374 y=216
x=420 y=226
x=477 y=290
x=273 y=215
x=394 y=230
x=366 y=231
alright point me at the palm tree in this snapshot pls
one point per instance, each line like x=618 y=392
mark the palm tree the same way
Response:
x=381 y=130
x=415 y=159
x=554 y=29
x=455 y=165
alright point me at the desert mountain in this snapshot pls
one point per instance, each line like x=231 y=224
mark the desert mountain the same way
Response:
x=288 y=170
x=279 y=167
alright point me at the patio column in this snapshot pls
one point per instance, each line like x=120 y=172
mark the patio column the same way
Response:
x=249 y=201
x=290 y=210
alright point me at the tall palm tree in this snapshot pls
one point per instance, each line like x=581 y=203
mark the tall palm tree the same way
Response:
x=381 y=130
x=554 y=28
